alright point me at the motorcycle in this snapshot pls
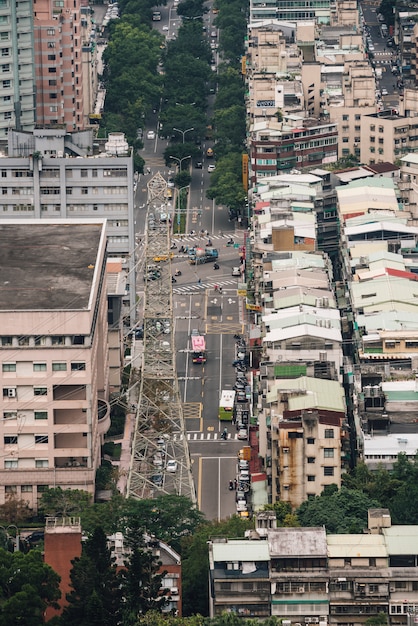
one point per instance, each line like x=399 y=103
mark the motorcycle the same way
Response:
x=230 y=243
x=177 y=273
x=209 y=244
x=231 y=485
x=173 y=280
x=216 y=266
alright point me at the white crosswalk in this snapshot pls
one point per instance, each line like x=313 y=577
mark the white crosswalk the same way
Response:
x=203 y=238
x=202 y=436
x=201 y=286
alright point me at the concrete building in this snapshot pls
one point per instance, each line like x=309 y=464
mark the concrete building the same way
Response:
x=58 y=46
x=54 y=352
x=387 y=136
x=305 y=576
x=50 y=173
x=17 y=71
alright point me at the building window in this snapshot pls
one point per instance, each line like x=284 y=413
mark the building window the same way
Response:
x=41 y=438
x=328 y=471
x=77 y=340
x=41 y=463
x=328 y=453
x=52 y=70
x=6 y=341
x=10 y=489
x=40 y=340
x=84 y=173
x=311 y=478
x=58 y=340
x=39 y=367
x=329 y=433
x=41 y=415
x=10 y=464
x=23 y=341
x=8 y=367
x=6 y=84
x=9 y=415
x=84 y=191
x=10 y=440
x=59 y=367
x=310 y=440
x=8 y=115
x=78 y=367
x=26 y=489
x=40 y=391
x=51 y=32
x=311 y=459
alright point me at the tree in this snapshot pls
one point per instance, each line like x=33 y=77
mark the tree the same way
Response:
x=195 y=561
x=381 y=619
x=14 y=510
x=141 y=580
x=58 y=502
x=340 y=511
x=95 y=598
x=28 y=586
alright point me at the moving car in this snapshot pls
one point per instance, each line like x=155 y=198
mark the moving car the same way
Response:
x=236 y=271
x=198 y=165
x=211 y=167
x=151 y=134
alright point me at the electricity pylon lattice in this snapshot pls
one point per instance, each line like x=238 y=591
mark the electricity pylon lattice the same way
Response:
x=160 y=434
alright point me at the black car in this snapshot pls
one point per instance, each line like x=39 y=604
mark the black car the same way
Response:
x=198 y=165
x=36 y=537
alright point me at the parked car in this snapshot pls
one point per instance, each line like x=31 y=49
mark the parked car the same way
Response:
x=244 y=476
x=242 y=506
x=157 y=459
x=243 y=464
x=157 y=479
x=241 y=397
x=242 y=434
x=171 y=466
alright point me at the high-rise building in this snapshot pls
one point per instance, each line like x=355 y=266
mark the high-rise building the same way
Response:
x=58 y=56
x=54 y=376
x=17 y=76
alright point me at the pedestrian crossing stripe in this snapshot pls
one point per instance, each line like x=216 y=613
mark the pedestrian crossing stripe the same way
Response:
x=200 y=286
x=204 y=436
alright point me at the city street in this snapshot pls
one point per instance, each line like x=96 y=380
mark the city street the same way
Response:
x=198 y=304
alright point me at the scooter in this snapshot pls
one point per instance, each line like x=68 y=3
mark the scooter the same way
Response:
x=230 y=243
x=177 y=273
x=173 y=280
x=216 y=266
x=209 y=244
x=231 y=485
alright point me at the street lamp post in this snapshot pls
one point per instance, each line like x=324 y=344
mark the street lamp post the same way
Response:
x=180 y=161
x=183 y=132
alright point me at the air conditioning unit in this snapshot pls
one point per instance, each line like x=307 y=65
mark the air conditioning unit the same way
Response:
x=11 y=392
x=301 y=589
x=174 y=591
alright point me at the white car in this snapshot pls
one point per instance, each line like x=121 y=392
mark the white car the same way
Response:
x=211 y=167
x=151 y=134
x=236 y=271
x=171 y=466
x=165 y=28
x=242 y=434
x=384 y=92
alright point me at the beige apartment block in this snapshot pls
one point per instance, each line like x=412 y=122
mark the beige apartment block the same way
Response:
x=54 y=355
x=387 y=136
x=344 y=13
x=58 y=63
x=408 y=183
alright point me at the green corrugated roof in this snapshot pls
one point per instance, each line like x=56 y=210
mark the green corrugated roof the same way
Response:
x=320 y=394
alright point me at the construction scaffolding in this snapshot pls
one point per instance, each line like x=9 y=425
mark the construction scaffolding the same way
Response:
x=160 y=460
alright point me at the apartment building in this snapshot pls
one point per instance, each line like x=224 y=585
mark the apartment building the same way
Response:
x=296 y=11
x=305 y=576
x=58 y=46
x=387 y=136
x=54 y=353
x=17 y=70
x=408 y=183
x=49 y=173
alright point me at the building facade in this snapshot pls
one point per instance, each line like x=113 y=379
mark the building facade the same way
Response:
x=58 y=63
x=17 y=70
x=54 y=353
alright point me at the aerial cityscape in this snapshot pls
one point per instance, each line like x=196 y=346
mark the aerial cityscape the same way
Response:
x=208 y=333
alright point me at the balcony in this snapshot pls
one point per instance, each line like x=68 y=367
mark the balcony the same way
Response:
x=103 y=414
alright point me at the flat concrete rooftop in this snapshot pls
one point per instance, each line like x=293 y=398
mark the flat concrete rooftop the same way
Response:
x=47 y=266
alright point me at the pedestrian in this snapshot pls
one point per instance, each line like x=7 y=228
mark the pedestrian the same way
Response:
x=199 y=280
x=220 y=289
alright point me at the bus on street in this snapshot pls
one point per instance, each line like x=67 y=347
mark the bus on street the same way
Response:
x=226 y=405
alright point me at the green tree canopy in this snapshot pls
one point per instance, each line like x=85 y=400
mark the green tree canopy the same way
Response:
x=28 y=586
x=95 y=599
x=339 y=510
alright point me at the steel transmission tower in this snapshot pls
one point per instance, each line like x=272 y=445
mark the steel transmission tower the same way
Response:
x=160 y=433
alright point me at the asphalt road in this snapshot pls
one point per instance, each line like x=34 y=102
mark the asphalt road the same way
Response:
x=197 y=304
